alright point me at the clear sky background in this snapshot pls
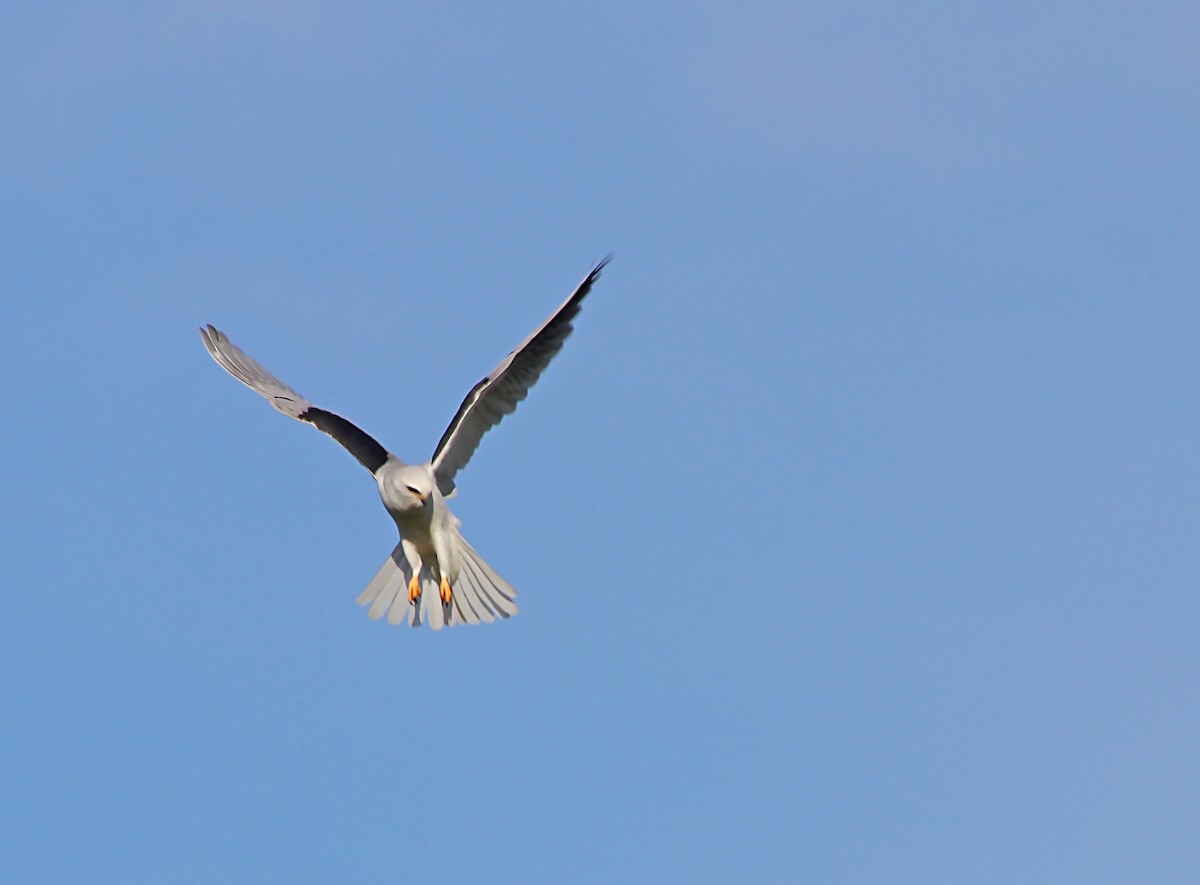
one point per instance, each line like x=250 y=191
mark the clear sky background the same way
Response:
x=856 y=528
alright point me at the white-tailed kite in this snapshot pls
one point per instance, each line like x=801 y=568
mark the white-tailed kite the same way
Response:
x=447 y=582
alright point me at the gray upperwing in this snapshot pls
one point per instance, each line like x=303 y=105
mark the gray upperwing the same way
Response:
x=506 y=385
x=250 y=372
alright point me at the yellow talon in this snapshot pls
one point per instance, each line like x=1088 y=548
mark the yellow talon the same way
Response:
x=446 y=596
x=414 y=589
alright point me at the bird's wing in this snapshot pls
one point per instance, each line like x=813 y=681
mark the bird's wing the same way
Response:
x=506 y=385
x=247 y=370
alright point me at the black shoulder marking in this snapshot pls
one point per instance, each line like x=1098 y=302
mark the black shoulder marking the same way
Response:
x=361 y=445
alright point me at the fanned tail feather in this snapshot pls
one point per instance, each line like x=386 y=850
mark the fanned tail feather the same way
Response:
x=479 y=595
x=388 y=591
x=484 y=593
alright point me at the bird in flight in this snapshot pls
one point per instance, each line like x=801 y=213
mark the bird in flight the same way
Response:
x=433 y=575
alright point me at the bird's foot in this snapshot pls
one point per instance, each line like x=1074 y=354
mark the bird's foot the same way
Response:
x=445 y=590
x=414 y=588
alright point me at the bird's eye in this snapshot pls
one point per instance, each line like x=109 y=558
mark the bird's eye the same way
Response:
x=414 y=491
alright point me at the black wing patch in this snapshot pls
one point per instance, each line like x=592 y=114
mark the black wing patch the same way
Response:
x=361 y=445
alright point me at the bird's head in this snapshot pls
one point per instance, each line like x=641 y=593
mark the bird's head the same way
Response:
x=409 y=488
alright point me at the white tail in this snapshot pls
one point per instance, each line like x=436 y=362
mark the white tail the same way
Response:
x=479 y=594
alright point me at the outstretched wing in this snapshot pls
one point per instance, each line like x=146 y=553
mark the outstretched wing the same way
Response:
x=506 y=385
x=247 y=370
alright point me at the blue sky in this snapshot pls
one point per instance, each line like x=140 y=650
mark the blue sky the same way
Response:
x=855 y=528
